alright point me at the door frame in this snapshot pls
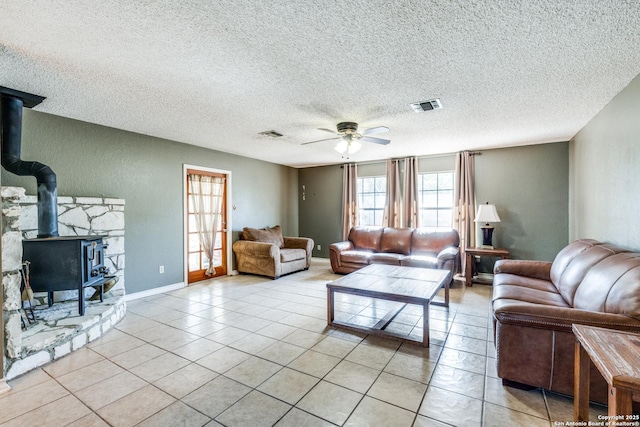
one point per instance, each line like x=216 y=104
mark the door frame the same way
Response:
x=185 y=217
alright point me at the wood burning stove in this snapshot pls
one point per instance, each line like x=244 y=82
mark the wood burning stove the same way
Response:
x=57 y=263
x=66 y=263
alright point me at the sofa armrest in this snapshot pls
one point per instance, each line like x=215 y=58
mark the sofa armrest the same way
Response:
x=449 y=253
x=298 y=243
x=341 y=246
x=257 y=249
x=305 y=243
x=535 y=269
x=335 y=256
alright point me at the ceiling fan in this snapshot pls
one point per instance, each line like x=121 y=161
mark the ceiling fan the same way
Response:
x=350 y=138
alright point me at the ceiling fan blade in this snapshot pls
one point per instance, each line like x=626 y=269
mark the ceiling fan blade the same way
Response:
x=379 y=129
x=320 y=140
x=375 y=140
x=327 y=130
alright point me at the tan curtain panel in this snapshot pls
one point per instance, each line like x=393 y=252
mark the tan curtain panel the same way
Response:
x=410 y=208
x=349 y=198
x=392 y=213
x=206 y=199
x=465 y=203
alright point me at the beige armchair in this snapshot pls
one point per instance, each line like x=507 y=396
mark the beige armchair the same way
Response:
x=266 y=252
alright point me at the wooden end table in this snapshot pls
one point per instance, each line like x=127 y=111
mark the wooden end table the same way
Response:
x=471 y=252
x=616 y=354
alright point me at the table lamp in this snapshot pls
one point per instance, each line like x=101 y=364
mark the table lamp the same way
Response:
x=487 y=213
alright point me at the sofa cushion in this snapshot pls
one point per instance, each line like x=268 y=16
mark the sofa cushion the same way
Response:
x=567 y=254
x=357 y=257
x=419 y=261
x=579 y=267
x=288 y=255
x=265 y=235
x=385 y=258
x=612 y=286
x=396 y=240
x=367 y=238
x=425 y=242
x=526 y=282
x=524 y=294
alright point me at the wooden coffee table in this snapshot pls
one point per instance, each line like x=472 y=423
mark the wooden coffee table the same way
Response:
x=409 y=285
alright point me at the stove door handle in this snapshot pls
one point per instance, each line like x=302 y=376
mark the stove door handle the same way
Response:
x=91 y=250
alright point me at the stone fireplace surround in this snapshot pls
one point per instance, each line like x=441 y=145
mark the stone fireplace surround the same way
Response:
x=59 y=329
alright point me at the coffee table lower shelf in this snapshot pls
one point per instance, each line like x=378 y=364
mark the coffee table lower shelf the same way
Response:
x=379 y=328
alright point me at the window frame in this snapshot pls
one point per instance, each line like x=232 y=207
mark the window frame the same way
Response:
x=377 y=212
x=443 y=212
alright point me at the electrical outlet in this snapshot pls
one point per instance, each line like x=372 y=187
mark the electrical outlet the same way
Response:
x=319 y=247
x=161 y=269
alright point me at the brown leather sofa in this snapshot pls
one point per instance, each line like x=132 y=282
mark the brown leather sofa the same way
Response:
x=535 y=303
x=412 y=247
x=267 y=253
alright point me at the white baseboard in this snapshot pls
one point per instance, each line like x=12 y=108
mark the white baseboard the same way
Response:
x=154 y=291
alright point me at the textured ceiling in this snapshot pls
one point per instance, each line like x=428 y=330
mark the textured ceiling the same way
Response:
x=215 y=74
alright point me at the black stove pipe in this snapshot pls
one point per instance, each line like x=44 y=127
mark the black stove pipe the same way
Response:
x=11 y=104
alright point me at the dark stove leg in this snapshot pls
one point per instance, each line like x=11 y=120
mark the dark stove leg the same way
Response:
x=81 y=301
x=50 y=298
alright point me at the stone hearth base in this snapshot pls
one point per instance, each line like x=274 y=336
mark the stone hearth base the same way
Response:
x=59 y=330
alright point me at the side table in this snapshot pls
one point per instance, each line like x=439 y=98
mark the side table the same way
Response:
x=471 y=252
x=616 y=354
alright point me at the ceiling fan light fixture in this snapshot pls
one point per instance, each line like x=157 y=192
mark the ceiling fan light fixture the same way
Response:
x=341 y=147
x=348 y=147
x=354 y=146
x=349 y=139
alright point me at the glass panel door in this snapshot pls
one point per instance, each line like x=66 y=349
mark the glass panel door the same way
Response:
x=197 y=259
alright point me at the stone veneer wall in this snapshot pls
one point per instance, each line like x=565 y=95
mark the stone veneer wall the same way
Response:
x=54 y=338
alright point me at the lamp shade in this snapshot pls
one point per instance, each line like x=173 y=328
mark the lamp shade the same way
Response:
x=354 y=146
x=487 y=213
x=349 y=147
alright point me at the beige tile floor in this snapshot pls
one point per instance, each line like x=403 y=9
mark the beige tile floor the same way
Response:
x=249 y=351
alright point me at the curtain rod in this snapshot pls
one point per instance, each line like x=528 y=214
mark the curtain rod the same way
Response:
x=434 y=156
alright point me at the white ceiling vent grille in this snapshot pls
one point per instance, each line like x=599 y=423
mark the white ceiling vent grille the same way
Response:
x=271 y=134
x=428 y=105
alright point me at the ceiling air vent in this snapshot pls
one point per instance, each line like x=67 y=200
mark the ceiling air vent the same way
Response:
x=431 y=104
x=271 y=134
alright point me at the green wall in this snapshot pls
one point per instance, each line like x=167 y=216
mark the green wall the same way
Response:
x=320 y=206
x=93 y=160
x=605 y=173
x=528 y=185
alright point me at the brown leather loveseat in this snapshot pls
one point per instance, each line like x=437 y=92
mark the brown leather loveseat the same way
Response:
x=535 y=303
x=412 y=247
